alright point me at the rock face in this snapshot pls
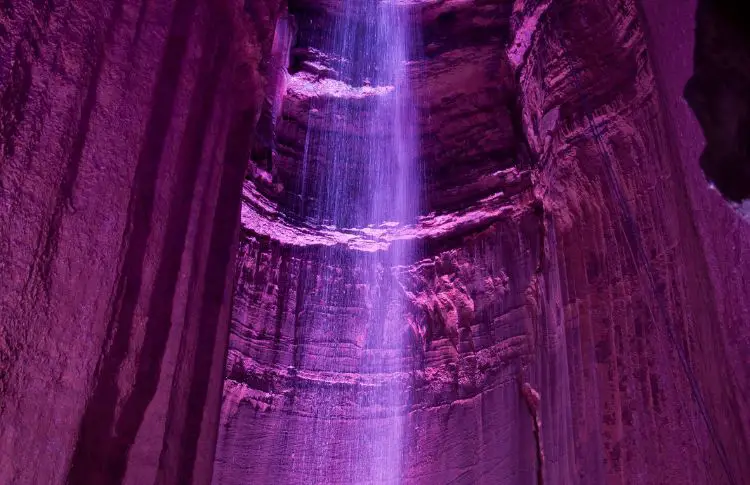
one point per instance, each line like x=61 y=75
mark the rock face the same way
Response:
x=578 y=307
x=648 y=360
x=293 y=391
x=124 y=136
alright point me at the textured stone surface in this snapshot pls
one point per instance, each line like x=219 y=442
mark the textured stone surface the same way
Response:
x=466 y=328
x=644 y=362
x=124 y=131
x=578 y=308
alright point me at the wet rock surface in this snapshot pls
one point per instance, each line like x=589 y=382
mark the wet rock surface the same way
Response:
x=640 y=325
x=567 y=329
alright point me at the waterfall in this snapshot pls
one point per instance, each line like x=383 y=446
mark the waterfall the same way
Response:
x=361 y=172
x=367 y=175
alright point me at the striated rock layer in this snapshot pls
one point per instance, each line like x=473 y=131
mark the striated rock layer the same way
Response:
x=124 y=137
x=578 y=309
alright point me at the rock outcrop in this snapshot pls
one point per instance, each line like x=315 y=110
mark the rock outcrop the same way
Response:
x=125 y=129
x=294 y=389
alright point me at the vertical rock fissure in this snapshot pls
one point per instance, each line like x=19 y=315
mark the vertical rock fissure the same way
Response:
x=159 y=319
x=218 y=276
x=532 y=399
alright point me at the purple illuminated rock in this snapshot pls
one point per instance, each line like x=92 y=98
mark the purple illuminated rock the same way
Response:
x=583 y=321
x=124 y=132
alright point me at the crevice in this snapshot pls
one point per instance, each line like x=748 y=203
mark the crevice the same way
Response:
x=532 y=399
x=218 y=275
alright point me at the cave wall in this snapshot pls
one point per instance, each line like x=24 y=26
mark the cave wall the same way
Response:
x=124 y=137
x=728 y=254
x=577 y=309
x=579 y=298
x=654 y=380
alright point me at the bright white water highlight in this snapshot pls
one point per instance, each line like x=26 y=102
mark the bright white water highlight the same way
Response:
x=360 y=170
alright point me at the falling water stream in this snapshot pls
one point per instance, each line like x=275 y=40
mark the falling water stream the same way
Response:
x=366 y=176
